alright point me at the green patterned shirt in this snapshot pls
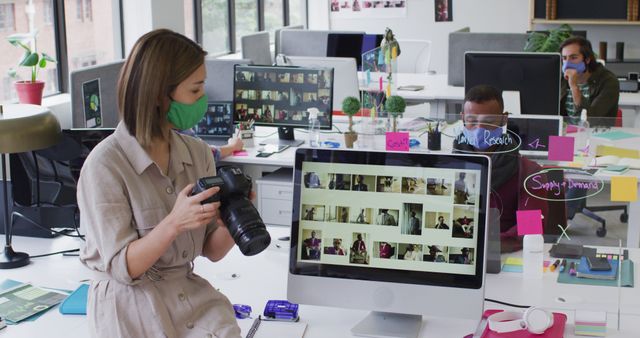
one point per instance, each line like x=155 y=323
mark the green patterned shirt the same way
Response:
x=573 y=113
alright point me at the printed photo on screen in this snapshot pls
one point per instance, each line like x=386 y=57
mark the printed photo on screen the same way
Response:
x=410 y=252
x=461 y=255
x=313 y=212
x=314 y=180
x=336 y=247
x=463 y=221
x=359 y=253
x=413 y=185
x=464 y=189
x=362 y=216
x=384 y=250
x=437 y=254
x=388 y=184
x=437 y=220
x=438 y=186
x=362 y=183
x=411 y=219
x=311 y=244
x=387 y=217
x=339 y=181
x=342 y=215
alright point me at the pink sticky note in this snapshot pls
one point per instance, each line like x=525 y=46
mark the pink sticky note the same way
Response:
x=529 y=222
x=561 y=148
x=240 y=153
x=397 y=141
x=380 y=83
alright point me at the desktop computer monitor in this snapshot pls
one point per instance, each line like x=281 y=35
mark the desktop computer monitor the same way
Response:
x=534 y=131
x=280 y=96
x=352 y=45
x=536 y=76
x=345 y=74
x=365 y=233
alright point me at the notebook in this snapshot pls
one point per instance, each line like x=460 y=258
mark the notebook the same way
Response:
x=216 y=127
x=607 y=160
x=76 y=302
x=556 y=331
x=270 y=329
x=583 y=270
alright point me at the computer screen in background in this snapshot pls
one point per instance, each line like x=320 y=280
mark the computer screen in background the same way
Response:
x=352 y=45
x=280 y=96
x=345 y=74
x=389 y=232
x=536 y=76
x=534 y=131
x=217 y=121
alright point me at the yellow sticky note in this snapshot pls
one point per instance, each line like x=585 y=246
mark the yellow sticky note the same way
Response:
x=513 y=261
x=602 y=150
x=373 y=112
x=394 y=53
x=624 y=188
x=388 y=90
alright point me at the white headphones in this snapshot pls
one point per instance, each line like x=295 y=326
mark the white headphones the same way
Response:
x=535 y=320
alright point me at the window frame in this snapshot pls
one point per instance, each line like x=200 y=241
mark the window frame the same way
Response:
x=60 y=36
x=231 y=29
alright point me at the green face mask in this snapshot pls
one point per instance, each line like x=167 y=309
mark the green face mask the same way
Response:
x=185 y=116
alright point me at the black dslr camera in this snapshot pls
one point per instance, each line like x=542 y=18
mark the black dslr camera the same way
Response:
x=236 y=210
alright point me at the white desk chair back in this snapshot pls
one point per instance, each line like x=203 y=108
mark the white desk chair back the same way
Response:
x=415 y=56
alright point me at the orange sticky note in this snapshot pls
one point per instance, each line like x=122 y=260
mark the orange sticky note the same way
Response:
x=394 y=53
x=624 y=188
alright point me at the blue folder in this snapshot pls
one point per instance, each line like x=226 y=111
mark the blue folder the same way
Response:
x=76 y=303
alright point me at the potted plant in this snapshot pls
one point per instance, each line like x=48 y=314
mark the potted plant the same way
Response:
x=350 y=106
x=29 y=91
x=548 y=42
x=395 y=106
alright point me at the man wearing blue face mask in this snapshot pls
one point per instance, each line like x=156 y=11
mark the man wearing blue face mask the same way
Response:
x=587 y=84
x=483 y=118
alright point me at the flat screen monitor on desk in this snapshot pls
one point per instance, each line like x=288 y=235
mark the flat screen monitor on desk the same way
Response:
x=280 y=97
x=536 y=76
x=352 y=45
x=534 y=131
x=364 y=234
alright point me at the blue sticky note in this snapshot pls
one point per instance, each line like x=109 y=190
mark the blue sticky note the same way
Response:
x=616 y=135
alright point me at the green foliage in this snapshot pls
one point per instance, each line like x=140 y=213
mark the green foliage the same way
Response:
x=350 y=105
x=395 y=105
x=548 y=43
x=32 y=58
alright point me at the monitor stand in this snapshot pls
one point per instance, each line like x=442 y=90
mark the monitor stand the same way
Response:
x=388 y=325
x=285 y=138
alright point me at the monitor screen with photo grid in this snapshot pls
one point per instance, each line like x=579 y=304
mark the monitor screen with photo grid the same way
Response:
x=406 y=221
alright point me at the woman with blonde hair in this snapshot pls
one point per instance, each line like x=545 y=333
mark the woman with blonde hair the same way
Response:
x=143 y=227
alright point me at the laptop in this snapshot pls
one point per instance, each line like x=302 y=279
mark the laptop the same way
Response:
x=216 y=127
x=534 y=131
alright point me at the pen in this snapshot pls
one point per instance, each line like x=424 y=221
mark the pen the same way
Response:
x=572 y=269
x=554 y=265
x=563 y=265
x=254 y=327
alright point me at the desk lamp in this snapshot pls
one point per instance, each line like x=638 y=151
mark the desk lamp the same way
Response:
x=23 y=127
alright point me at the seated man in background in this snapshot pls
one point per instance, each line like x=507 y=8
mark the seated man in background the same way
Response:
x=483 y=119
x=586 y=84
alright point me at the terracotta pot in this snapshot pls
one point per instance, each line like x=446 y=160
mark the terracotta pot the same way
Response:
x=30 y=92
x=349 y=138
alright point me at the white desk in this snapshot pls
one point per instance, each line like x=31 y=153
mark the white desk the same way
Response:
x=264 y=277
x=437 y=92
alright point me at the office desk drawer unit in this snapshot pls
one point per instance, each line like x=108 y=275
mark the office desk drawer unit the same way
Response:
x=275 y=197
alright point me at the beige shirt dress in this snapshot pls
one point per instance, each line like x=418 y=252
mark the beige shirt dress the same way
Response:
x=123 y=195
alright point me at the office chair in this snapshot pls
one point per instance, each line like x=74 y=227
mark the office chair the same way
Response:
x=415 y=56
x=580 y=205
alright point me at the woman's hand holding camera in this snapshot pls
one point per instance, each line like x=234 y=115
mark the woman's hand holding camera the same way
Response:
x=189 y=214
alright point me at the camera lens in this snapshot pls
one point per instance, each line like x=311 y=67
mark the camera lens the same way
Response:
x=246 y=226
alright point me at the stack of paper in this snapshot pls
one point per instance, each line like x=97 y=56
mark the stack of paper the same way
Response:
x=591 y=323
x=583 y=270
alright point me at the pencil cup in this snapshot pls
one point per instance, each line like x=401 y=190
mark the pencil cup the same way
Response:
x=247 y=137
x=433 y=140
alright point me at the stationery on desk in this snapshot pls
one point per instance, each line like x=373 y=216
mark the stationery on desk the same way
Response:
x=609 y=160
x=260 y=328
x=23 y=301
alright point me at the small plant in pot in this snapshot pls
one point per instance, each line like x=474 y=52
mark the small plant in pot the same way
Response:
x=395 y=106
x=29 y=91
x=350 y=106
